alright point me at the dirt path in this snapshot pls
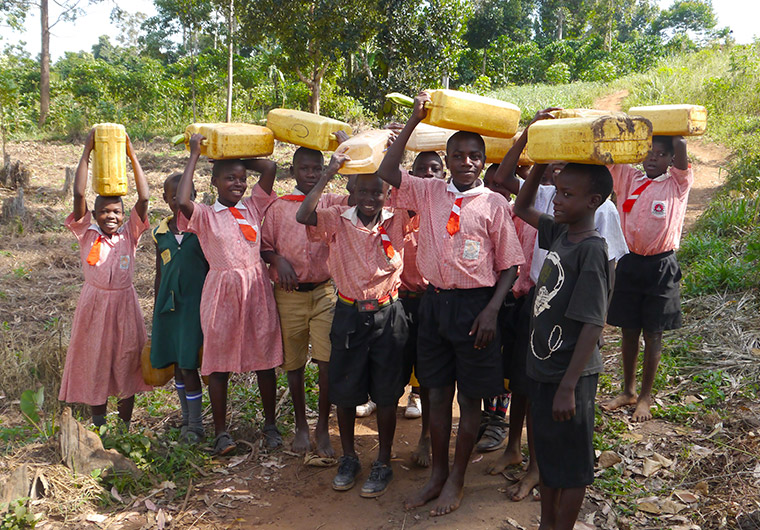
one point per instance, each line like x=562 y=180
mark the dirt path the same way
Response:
x=708 y=161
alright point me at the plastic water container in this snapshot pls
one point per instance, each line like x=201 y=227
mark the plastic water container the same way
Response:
x=232 y=140
x=615 y=139
x=109 y=160
x=428 y=138
x=366 y=151
x=154 y=376
x=306 y=129
x=462 y=111
x=580 y=113
x=674 y=120
x=497 y=148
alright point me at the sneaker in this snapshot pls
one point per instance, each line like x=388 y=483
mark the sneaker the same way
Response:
x=348 y=468
x=191 y=437
x=494 y=436
x=378 y=480
x=413 y=407
x=362 y=411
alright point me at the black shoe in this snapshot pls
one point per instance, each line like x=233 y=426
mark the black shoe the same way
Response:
x=378 y=480
x=348 y=468
x=494 y=436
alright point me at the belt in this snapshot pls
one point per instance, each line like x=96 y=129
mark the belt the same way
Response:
x=372 y=304
x=403 y=293
x=309 y=286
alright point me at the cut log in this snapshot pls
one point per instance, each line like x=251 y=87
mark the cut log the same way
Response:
x=14 y=175
x=68 y=181
x=83 y=451
x=13 y=207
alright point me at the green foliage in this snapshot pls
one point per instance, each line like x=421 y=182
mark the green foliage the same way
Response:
x=532 y=98
x=558 y=74
x=713 y=383
x=18 y=516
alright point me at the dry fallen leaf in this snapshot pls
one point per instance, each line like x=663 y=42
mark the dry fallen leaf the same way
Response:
x=115 y=494
x=650 y=507
x=161 y=520
x=702 y=488
x=95 y=518
x=669 y=506
x=609 y=459
x=685 y=496
x=149 y=504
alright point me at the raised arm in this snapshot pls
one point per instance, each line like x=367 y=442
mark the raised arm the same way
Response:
x=389 y=169
x=307 y=213
x=680 y=157
x=267 y=169
x=80 y=178
x=185 y=188
x=141 y=183
x=505 y=174
x=527 y=197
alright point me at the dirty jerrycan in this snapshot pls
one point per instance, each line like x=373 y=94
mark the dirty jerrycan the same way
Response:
x=109 y=160
x=613 y=139
x=674 y=120
x=366 y=150
x=232 y=140
x=306 y=129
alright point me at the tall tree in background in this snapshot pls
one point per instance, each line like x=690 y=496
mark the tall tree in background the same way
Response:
x=493 y=18
x=687 y=15
x=317 y=34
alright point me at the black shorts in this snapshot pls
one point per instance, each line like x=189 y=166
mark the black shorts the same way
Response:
x=411 y=308
x=564 y=449
x=367 y=355
x=647 y=295
x=516 y=328
x=446 y=351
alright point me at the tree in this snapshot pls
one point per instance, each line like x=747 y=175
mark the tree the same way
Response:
x=317 y=34
x=687 y=15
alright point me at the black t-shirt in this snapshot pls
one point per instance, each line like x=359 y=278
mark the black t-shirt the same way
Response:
x=572 y=290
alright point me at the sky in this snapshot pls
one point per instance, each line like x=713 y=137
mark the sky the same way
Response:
x=740 y=15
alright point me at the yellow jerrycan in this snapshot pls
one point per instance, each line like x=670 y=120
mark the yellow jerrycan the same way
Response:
x=109 y=160
x=497 y=148
x=232 y=140
x=306 y=129
x=674 y=120
x=154 y=376
x=462 y=111
x=366 y=151
x=428 y=138
x=613 y=139
x=579 y=113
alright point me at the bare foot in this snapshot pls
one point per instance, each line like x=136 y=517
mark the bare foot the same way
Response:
x=522 y=488
x=622 y=400
x=324 y=448
x=642 y=412
x=449 y=499
x=301 y=442
x=421 y=455
x=507 y=458
x=429 y=491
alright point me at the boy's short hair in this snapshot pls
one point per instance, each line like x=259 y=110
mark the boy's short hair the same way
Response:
x=599 y=177
x=219 y=166
x=174 y=177
x=100 y=199
x=369 y=177
x=302 y=152
x=666 y=142
x=466 y=135
x=431 y=154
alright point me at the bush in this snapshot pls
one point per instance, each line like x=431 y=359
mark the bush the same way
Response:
x=557 y=74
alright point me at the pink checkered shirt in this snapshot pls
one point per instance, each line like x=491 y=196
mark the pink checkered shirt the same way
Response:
x=411 y=279
x=655 y=222
x=284 y=235
x=358 y=262
x=485 y=244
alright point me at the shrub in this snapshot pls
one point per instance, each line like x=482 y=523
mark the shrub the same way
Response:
x=557 y=74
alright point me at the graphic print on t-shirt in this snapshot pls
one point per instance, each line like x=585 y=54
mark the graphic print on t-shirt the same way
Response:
x=542 y=303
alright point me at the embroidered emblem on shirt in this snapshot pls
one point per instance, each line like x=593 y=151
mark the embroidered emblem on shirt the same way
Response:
x=471 y=249
x=124 y=262
x=659 y=208
x=166 y=256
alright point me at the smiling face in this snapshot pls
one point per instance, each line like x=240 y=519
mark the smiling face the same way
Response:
x=659 y=159
x=428 y=165
x=307 y=167
x=230 y=181
x=574 y=199
x=108 y=213
x=465 y=158
x=370 y=194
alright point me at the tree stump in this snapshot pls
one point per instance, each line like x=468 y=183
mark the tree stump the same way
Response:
x=13 y=207
x=67 y=183
x=14 y=175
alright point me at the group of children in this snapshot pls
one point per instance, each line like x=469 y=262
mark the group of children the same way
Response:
x=410 y=272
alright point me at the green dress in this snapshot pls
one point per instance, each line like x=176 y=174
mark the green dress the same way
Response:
x=177 y=336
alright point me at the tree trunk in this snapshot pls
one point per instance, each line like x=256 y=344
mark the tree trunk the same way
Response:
x=485 y=56
x=44 y=64
x=229 y=63
x=316 y=86
x=192 y=77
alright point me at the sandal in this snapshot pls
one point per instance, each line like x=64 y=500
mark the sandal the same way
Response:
x=223 y=444
x=191 y=438
x=272 y=437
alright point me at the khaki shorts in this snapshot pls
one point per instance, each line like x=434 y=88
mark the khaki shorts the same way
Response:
x=305 y=317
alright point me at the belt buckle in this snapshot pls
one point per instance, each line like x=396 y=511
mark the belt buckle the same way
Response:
x=368 y=306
